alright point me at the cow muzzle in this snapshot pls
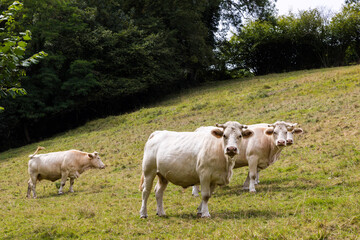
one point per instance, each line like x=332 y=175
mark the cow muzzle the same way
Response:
x=289 y=142
x=281 y=143
x=231 y=151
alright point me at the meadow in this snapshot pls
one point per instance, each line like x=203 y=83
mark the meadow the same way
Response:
x=312 y=192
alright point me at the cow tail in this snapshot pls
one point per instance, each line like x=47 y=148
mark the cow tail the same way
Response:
x=141 y=182
x=37 y=150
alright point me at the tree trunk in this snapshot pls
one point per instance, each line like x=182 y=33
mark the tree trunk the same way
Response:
x=26 y=132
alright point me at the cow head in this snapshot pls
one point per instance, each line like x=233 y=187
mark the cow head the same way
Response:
x=278 y=131
x=291 y=130
x=283 y=133
x=231 y=133
x=95 y=160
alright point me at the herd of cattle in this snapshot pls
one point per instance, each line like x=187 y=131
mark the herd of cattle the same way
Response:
x=206 y=156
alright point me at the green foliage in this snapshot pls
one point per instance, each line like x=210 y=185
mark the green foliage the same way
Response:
x=12 y=53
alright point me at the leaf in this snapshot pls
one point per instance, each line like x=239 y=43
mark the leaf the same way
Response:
x=22 y=44
x=19 y=51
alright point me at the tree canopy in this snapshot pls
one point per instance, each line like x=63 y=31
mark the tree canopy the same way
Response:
x=107 y=57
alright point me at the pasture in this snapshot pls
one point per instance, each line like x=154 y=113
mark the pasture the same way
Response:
x=312 y=192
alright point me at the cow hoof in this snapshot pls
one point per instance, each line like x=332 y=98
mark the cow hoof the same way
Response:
x=60 y=193
x=71 y=191
x=205 y=216
x=195 y=195
x=245 y=188
x=252 y=191
x=144 y=216
x=161 y=214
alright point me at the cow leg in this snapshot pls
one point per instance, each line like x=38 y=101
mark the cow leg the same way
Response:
x=195 y=190
x=246 y=183
x=64 y=177
x=32 y=185
x=159 y=192
x=148 y=181
x=206 y=191
x=257 y=178
x=29 y=189
x=72 y=180
x=252 y=173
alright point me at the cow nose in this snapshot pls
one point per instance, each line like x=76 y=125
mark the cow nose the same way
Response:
x=281 y=143
x=289 y=141
x=231 y=151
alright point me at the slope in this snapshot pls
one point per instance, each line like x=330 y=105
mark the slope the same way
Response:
x=312 y=192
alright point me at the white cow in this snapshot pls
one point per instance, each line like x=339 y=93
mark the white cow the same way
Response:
x=189 y=158
x=261 y=150
x=56 y=165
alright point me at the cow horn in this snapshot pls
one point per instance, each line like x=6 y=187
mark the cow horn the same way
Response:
x=221 y=125
x=290 y=126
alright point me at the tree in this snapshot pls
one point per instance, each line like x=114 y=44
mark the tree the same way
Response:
x=12 y=53
x=107 y=57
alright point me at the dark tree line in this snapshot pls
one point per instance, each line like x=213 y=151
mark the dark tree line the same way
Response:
x=110 y=56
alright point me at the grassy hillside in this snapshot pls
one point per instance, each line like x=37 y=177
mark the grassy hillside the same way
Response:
x=312 y=192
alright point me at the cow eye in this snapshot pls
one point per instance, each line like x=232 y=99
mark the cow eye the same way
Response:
x=240 y=136
x=275 y=133
x=224 y=136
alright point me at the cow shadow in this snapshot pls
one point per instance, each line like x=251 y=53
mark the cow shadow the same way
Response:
x=239 y=214
x=266 y=185
x=56 y=195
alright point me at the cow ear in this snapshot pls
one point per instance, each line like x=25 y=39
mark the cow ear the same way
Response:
x=298 y=131
x=90 y=155
x=247 y=133
x=95 y=153
x=269 y=131
x=217 y=133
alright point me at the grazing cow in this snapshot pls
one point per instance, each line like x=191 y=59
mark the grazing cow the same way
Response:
x=261 y=150
x=56 y=165
x=189 y=158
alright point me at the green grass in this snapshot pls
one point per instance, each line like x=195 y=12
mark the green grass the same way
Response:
x=312 y=192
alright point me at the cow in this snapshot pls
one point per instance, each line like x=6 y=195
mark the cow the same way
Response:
x=60 y=165
x=262 y=150
x=189 y=158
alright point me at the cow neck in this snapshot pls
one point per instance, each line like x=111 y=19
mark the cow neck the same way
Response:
x=274 y=153
x=84 y=164
x=229 y=166
x=230 y=163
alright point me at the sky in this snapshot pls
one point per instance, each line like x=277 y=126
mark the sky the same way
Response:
x=284 y=6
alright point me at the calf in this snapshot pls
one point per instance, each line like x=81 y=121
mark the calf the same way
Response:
x=261 y=150
x=60 y=165
x=189 y=158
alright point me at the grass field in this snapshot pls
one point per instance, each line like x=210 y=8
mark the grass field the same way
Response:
x=312 y=192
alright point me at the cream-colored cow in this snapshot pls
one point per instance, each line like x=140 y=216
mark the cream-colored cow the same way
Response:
x=60 y=165
x=189 y=158
x=261 y=150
